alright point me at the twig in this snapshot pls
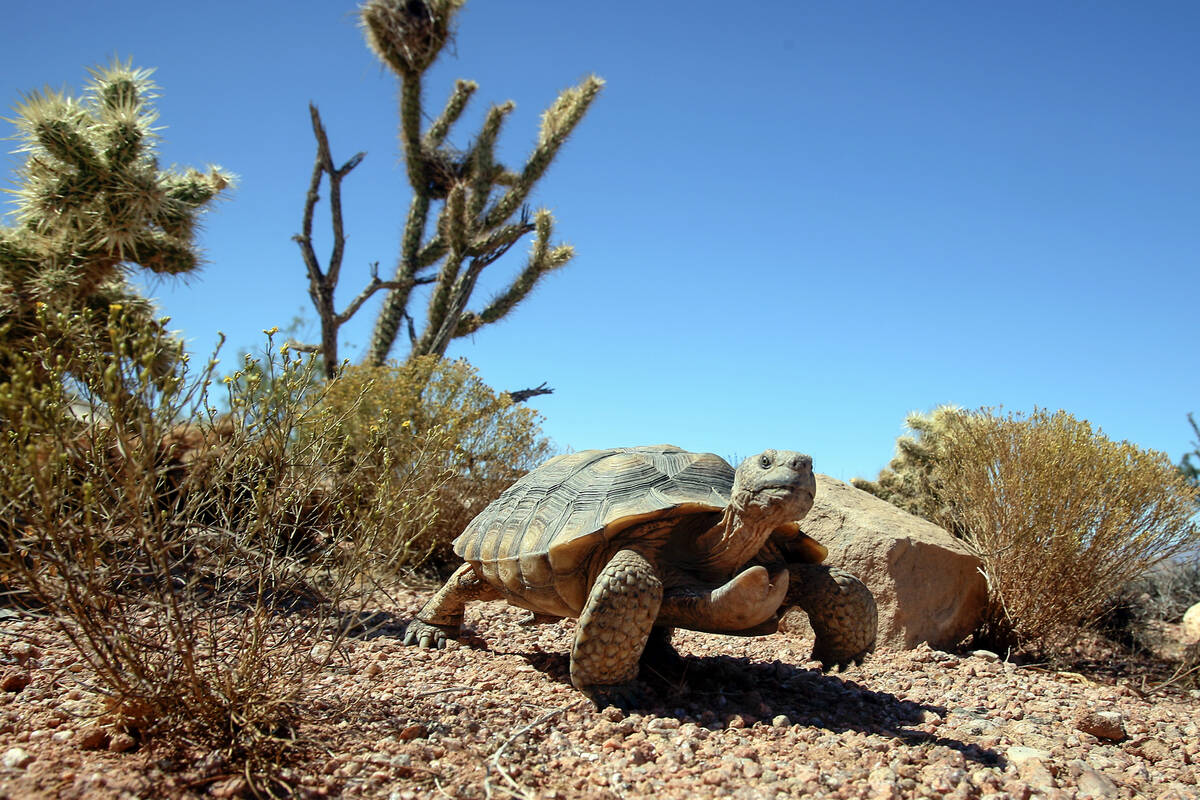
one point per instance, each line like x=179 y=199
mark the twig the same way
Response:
x=518 y=791
x=1179 y=675
x=521 y=395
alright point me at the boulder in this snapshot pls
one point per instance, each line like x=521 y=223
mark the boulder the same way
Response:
x=1191 y=625
x=927 y=585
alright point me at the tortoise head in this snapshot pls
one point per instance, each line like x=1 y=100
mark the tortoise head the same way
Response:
x=770 y=490
x=773 y=488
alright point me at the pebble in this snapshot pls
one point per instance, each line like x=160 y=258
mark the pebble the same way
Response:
x=16 y=758
x=1091 y=783
x=14 y=680
x=92 y=738
x=414 y=731
x=1102 y=724
x=23 y=651
x=121 y=742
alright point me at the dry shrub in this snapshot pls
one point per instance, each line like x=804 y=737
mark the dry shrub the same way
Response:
x=1061 y=516
x=202 y=564
x=438 y=419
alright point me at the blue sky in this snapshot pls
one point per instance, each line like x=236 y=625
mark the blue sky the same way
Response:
x=795 y=221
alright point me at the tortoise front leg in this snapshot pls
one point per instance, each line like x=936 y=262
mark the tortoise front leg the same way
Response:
x=614 y=627
x=441 y=618
x=840 y=608
x=749 y=599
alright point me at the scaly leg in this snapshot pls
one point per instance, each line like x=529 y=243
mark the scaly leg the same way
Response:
x=840 y=608
x=441 y=618
x=614 y=627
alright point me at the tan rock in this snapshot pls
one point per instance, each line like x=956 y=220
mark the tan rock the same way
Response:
x=927 y=586
x=1191 y=625
x=1102 y=724
x=92 y=738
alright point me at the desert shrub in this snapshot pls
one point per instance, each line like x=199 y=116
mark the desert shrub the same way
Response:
x=471 y=441
x=201 y=564
x=1060 y=515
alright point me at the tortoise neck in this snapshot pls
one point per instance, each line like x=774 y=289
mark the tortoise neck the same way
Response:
x=734 y=540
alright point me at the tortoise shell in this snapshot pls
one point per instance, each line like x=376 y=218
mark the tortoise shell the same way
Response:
x=533 y=542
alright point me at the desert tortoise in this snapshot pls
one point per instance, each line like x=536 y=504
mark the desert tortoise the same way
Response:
x=634 y=539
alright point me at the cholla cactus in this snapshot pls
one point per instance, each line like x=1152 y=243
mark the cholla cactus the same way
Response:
x=909 y=481
x=482 y=213
x=1187 y=467
x=91 y=202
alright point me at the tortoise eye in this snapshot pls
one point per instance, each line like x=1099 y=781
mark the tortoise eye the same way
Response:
x=764 y=461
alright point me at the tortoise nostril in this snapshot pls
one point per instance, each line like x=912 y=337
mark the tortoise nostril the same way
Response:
x=801 y=463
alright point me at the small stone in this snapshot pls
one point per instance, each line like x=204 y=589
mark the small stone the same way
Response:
x=1031 y=766
x=881 y=776
x=781 y=721
x=1091 y=783
x=16 y=758
x=1019 y=755
x=121 y=742
x=373 y=669
x=986 y=655
x=414 y=731
x=23 y=651
x=1152 y=750
x=62 y=736
x=92 y=738
x=612 y=714
x=1103 y=725
x=14 y=680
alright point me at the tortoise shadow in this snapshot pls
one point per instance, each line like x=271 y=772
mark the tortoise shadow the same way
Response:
x=712 y=690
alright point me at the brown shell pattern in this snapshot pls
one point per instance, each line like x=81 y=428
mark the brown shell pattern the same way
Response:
x=537 y=535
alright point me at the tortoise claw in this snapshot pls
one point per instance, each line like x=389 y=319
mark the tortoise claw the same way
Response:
x=426 y=635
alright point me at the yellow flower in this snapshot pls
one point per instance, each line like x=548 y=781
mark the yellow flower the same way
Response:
x=228 y=379
x=274 y=330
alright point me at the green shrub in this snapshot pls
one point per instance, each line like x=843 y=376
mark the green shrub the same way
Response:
x=1061 y=516
x=202 y=564
x=472 y=442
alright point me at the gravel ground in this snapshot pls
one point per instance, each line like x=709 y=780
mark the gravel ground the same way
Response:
x=495 y=716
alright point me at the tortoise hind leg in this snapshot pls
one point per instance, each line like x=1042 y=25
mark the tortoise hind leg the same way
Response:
x=441 y=618
x=614 y=627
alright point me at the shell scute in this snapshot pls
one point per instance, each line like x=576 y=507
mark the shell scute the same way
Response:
x=538 y=534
